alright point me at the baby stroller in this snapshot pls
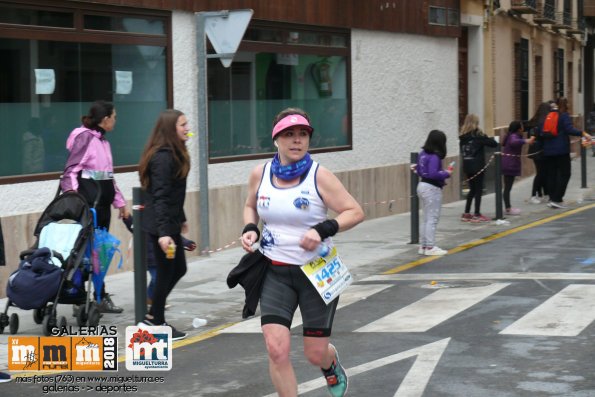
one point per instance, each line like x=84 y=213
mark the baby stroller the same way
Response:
x=66 y=228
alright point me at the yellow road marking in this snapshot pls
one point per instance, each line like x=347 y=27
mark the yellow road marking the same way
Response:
x=487 y=239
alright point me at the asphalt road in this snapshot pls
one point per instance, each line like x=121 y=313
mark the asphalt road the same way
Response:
x=512 y=317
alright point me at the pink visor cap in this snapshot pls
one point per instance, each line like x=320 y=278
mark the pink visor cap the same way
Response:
x=291 y=121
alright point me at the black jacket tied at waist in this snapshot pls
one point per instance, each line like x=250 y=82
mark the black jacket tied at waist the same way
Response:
x=250 y=273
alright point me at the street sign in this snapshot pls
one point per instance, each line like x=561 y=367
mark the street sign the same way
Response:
x=225 y=31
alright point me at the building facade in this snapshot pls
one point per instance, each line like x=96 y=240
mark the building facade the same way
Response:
x=375 y=77
x=516 y=54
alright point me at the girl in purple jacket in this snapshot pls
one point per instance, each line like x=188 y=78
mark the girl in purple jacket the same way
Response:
x=511 y=161
x=429 y=189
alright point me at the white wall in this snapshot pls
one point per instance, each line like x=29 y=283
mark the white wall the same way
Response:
x=403 y=87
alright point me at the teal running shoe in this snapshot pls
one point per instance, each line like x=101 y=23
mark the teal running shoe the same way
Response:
x=336 y=378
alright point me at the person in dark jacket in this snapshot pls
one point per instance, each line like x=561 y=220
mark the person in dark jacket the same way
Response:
x=539 y=187
x=429 y=189
x=472 y=141
x=163 y=170
x=556 y=151
x=511 y=161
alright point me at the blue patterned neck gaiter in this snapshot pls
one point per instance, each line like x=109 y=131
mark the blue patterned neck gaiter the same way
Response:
x=291 y=171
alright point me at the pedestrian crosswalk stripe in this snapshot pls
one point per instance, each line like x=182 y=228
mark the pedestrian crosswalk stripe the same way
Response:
x=482 y=276
x=565 y=314
x=432 y=310
x=353 y=294
x=415 y=381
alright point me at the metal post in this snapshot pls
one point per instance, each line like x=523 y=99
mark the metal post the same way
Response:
x=583 y=167
x=498 y=182
x=140 y=256
x=414 y=202
x=203 y=141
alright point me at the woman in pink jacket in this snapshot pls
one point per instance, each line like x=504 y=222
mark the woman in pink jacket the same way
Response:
x=90 y=167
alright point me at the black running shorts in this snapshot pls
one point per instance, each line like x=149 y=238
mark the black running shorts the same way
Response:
x=285 y=288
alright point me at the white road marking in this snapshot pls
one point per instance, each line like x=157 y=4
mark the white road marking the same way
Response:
x=482 y=276
x=565 y=314
x=415 y=381
x=353 y=294
x=432 y=310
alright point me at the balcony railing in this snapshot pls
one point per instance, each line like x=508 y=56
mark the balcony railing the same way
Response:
x=546 y=12
x=524 y=6
x=577 y=26
x=563 y=20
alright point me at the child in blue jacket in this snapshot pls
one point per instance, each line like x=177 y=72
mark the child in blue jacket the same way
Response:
x=429 y=189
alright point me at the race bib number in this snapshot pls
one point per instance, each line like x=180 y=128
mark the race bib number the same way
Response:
x=328 y=275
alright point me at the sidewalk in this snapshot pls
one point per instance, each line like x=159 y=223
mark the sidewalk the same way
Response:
x=372 y=247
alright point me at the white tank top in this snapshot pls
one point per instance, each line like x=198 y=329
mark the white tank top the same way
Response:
x=287 y=214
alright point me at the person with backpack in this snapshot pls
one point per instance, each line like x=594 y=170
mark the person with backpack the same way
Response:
x=539 y=187
x=556 y=150
x=472 y=142
x=429 y=189
x=511 y=161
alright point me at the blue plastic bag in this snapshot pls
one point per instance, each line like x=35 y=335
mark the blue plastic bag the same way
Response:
x=105 y=246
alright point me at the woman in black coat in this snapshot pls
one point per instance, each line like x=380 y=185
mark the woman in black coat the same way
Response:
x=472 y=141
x=163 y=169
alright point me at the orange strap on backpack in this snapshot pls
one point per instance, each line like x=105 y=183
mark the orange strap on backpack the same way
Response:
x=550 y=125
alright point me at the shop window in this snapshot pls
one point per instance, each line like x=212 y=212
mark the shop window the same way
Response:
x=443 y=16
x=279 y=67
x=559 y=72
x=14 y=15
x=437 y=16
x=124 y=24
x=41 y=111
x=53 y=80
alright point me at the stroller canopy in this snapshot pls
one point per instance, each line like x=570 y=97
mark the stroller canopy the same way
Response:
x=68 y=206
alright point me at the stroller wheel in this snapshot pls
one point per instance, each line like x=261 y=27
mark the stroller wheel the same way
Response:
x=49 y=322
x=38 y=315
x=14 y=323
x=94 y=315
x=3 y=322
x=81 y=316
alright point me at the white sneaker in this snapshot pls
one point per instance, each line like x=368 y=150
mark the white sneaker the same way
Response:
x=553 y=204
x=421 y=250
x=535 y=200
x=435 y=251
